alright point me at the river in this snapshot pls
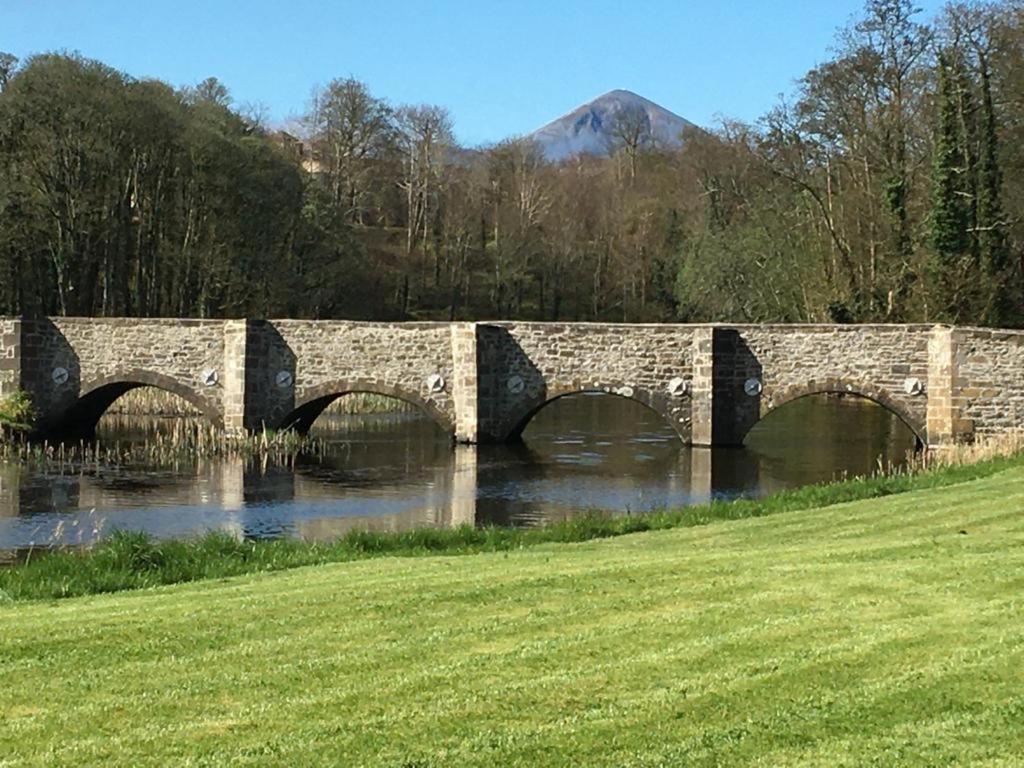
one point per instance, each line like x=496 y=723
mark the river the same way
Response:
x=393 y=471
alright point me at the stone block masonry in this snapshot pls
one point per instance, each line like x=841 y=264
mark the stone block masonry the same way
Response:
x=10 y=356
x=483 y=382
x=74 y=368
x=988 y=382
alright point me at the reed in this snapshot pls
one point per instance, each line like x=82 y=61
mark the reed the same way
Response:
x=178 y=442
x=992 y=447
x=151 y=401
x=358 y=403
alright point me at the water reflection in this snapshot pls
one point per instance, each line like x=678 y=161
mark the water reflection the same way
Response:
x=396 y=471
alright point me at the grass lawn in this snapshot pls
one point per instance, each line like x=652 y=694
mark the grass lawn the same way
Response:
x=881 y=632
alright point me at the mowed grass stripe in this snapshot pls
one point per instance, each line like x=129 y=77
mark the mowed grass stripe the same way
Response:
x=864 y=633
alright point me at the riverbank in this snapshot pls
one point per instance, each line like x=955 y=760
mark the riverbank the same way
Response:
x=883 y=631
x=135 y=561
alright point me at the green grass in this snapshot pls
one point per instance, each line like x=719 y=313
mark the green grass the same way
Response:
x=132 y=560
x=879 y=632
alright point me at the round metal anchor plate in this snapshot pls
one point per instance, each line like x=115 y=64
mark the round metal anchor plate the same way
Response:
x=209 y=377
x=678 y=386
x=435 y=382
x=753 y=387
x=284 y=379
x=913 y=386
x=60 y=376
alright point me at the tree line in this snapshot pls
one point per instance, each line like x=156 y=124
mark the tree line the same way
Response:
x=889 y=187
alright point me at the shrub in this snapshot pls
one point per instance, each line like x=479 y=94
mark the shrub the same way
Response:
x=16 y=413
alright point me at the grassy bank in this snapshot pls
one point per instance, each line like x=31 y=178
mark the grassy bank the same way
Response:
x=132 y=560
x=880 y=632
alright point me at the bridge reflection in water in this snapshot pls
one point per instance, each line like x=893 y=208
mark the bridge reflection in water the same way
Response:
x=393 y=472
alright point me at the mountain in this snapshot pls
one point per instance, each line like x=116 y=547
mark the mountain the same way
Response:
x=588 y=129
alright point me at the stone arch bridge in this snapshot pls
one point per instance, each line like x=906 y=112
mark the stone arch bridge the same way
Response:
x=483 y=382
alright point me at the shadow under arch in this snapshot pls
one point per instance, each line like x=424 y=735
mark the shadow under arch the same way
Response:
x=638 y=396
x=855 y=389
x=315 y=400
x=79 y=420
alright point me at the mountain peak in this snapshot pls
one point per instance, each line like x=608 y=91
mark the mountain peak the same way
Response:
x=587 y=129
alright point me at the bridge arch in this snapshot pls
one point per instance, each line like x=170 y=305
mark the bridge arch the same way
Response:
x=773 y=401
x=96 y=395
x=314 y=401
x=656 y=404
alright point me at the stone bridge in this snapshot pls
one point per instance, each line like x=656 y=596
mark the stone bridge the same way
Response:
x=483 y=382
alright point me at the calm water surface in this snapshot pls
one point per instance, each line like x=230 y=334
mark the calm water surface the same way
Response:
x=394 y=471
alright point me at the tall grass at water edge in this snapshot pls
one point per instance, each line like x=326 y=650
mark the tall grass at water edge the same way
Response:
x=169 y=431
x=150 y=401
x=177 y=442
x=130 y=560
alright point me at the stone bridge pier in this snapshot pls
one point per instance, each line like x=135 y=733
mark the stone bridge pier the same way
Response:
x=483 y=382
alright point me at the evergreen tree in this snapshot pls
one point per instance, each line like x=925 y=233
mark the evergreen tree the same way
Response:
x=991 y=236
x=949 y=219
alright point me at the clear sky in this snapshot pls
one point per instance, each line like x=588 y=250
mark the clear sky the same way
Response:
x=502 y=68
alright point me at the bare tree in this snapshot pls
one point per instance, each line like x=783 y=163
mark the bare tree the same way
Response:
x=630 y=131
x=350 y=130
x=425 y=137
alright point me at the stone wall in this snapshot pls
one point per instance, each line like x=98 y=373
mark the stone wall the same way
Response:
x=465 y=384
x=234 y=401
x=791 y=361
x=989 y=381
x=327 y=358
x=10 y=355
x=95 y=353
x=941 y=420
x=525 y=365
x=482 y=382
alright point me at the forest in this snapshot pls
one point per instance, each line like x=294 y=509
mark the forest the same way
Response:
x=886 y=186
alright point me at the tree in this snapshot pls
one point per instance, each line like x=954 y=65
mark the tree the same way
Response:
x=949 y=220
x=8 y=63
x=212 y=91
x=425 y=136
x=874 y=193
x=630 y=130
x=351 y=132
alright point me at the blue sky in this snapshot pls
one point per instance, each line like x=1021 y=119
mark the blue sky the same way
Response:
x=501 y=68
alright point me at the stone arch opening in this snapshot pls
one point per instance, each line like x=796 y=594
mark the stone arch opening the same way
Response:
x=641 y=397
x=315 y=401
x=79 y=420
x=879 y=397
